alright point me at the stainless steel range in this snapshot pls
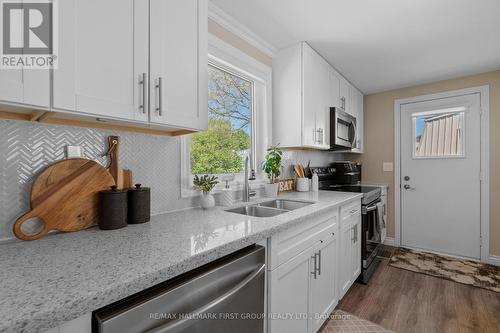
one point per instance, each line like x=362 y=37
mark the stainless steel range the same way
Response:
x=346 y=177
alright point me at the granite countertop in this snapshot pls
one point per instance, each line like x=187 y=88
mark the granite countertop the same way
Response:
x=47 y=282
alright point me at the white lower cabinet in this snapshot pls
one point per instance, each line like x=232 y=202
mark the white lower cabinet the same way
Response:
x=324 y=296
x=350 y=253
x=303 y=275
x=289 y=294
x=311 y=267
x=345 y=260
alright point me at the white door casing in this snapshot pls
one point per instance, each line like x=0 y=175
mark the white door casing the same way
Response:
x=444 y=208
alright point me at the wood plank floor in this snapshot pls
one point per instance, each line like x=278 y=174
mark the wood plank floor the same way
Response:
x=407 y=302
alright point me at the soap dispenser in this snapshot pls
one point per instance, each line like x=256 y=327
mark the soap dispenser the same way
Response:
x=315 y=182
x=226 y=195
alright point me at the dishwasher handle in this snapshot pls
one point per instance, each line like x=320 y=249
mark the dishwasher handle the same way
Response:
x=175 y=326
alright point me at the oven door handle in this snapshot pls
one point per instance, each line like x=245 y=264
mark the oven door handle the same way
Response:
x=175 y=326
x=370 y=208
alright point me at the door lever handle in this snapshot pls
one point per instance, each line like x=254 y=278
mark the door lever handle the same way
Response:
x=408 y=187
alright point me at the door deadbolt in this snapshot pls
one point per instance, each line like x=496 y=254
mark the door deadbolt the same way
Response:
x=407 y=178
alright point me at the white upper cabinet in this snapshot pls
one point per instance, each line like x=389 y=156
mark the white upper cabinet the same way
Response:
x=30 y=87
x=311 y=94
x=103 y=55
x=305 y=87
x=345 y=95
x=334 y=89
x=301 y=81
x=178 y=37
x=25 y=86
x=134 y=60
x=357 y=103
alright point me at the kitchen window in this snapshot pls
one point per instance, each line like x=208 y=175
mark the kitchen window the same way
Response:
x=239 y=125
x=223 y=147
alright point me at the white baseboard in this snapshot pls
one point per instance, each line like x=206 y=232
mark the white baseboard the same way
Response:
x=389 y=241
x=494 y=260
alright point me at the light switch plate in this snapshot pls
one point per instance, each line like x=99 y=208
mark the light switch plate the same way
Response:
x=388 y=167
x=73 y=151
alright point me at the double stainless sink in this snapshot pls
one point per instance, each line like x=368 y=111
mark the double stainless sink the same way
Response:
x=270 y=208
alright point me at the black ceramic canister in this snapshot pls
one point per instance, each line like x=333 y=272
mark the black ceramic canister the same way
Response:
x=139 y=204
x=113 y=209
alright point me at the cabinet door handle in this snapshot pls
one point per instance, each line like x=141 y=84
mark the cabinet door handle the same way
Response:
x=356 y=233
x=159 y=87
x=142 y=83
x=315 y=269
x=319 y=262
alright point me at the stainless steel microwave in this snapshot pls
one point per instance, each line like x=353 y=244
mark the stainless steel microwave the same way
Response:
x=343 y=130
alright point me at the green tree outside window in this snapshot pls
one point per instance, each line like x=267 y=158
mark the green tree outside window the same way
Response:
x=221 y=148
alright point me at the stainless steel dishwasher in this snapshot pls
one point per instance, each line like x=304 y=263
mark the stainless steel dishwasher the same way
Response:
x=224 y=296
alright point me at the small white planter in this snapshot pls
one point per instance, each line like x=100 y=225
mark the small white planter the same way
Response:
x=271 y=190
x=207 y=201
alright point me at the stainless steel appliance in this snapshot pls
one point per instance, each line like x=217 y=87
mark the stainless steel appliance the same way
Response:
x=346 y=177
x=343 y=130
x=224 y=296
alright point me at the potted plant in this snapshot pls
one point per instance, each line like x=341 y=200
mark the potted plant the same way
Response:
x=205 y=184
x=272 y=167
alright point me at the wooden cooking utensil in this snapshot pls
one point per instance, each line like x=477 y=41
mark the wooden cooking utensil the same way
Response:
x=123 y=178
x=299 y=170
x=64 y=197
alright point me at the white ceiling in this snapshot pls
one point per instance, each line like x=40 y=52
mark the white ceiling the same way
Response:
x=382 y=44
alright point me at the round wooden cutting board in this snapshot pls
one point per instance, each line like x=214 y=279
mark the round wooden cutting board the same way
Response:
x=65 y=197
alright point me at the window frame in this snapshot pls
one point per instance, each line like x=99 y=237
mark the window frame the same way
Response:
x=228 y=58
x=459 y=110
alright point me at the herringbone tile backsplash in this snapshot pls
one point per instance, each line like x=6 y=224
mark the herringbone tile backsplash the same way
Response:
x=26 y=148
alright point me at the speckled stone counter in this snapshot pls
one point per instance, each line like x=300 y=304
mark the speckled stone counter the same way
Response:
x=58 y=278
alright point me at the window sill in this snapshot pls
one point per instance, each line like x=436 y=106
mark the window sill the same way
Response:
x=234 y=186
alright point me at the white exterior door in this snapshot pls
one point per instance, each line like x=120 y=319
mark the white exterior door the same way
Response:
x=440 y=175
x=103 y=54
x=178 y=56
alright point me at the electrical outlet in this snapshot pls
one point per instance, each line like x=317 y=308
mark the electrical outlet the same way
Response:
x=73 y=151
x=388 y=167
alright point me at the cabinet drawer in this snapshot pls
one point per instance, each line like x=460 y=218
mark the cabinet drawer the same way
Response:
x=349 y=210
x=290 y=243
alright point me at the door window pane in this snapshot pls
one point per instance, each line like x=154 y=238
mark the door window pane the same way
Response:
x=221 y=149
x=438 y=135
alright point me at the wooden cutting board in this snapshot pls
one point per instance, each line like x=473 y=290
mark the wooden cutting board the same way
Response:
x=65 y=197
x=123 y=177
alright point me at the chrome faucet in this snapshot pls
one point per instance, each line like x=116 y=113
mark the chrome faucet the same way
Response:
x=247 y=192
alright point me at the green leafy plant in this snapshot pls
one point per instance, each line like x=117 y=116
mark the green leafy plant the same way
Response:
x=307 y=170
x=272 y=163
x=205 y=183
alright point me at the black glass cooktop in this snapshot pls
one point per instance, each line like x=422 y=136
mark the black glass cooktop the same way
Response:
x=370 y=193
x=351 y=188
